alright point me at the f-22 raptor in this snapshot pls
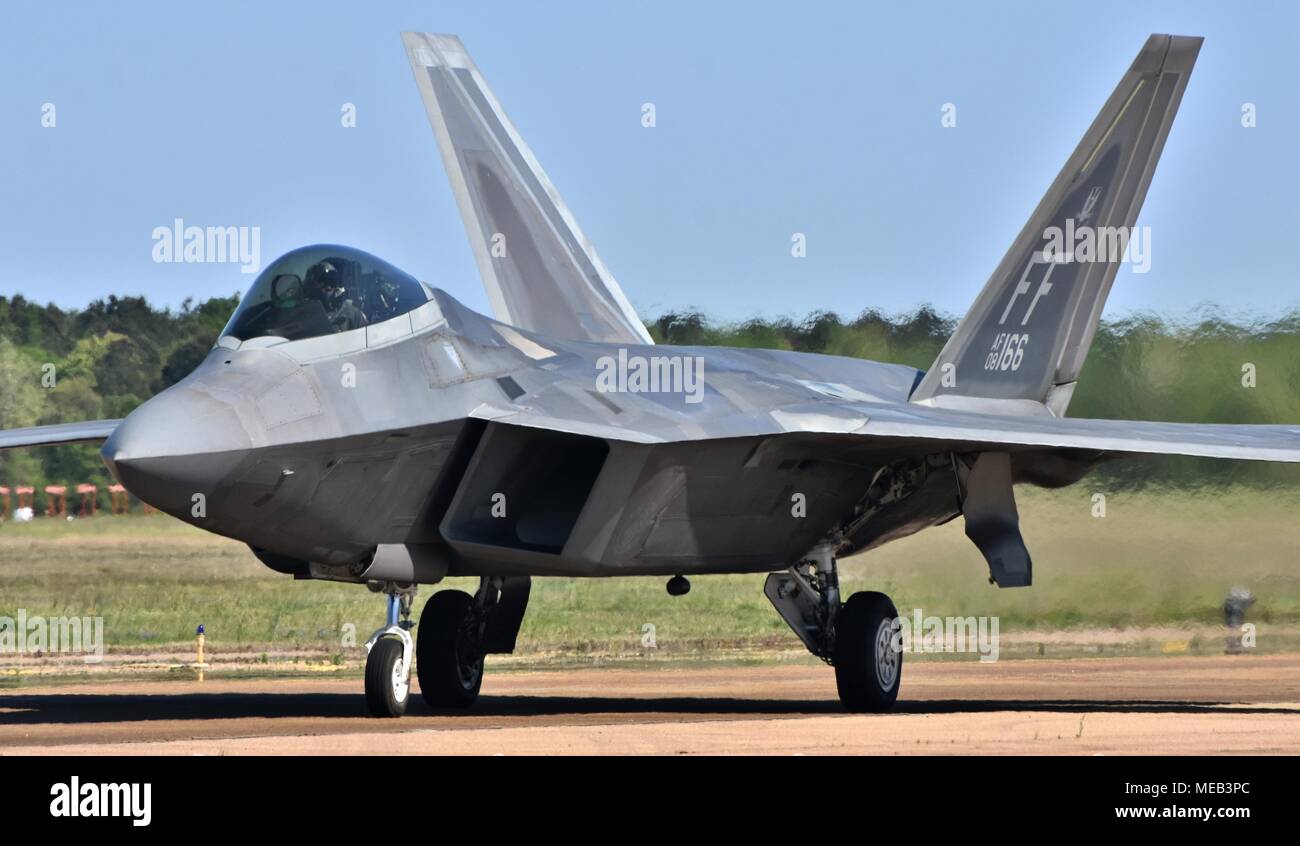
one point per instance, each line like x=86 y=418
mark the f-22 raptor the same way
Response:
x=353 y=423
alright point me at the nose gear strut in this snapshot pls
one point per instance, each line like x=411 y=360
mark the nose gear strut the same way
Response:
x=389 y=652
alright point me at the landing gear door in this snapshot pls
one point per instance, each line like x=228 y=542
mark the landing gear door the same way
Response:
x=992 y=521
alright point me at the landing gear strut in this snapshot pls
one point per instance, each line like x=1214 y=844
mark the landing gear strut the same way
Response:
x=388 y=655
x=857 y=637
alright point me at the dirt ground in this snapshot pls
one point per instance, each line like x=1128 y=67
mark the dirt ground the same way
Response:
x=1172 y=705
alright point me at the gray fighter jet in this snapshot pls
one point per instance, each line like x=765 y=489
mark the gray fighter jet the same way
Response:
x=353 y=424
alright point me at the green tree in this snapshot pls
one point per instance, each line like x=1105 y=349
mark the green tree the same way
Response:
x=20 y=405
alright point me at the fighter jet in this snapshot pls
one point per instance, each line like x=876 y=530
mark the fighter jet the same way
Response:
x=352 y=423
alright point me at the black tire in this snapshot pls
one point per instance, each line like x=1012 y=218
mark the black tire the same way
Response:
x=867 y=679
x=448 y=657
x=385 y=695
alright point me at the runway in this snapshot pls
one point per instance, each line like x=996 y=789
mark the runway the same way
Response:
x=1246 y=704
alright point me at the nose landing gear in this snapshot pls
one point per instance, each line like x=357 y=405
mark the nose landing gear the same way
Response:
x=389 y=652
x=456 y=632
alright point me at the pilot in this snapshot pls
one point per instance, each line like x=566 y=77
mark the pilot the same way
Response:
x=325 y=284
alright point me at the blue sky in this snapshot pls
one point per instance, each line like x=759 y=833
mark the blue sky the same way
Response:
x=772 y=119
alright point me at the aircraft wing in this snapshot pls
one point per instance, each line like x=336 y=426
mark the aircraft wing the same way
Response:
x=91 y=431
x=540 y=271
x=1210 y=440
x=943 y=429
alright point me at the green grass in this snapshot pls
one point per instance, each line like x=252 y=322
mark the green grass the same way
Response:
x=1156 y=559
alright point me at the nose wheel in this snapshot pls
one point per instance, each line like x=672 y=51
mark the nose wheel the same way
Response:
x=388 y=679
x=389 y=653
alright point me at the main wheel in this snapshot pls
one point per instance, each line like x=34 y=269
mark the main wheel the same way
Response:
x=449 y=657
x=388 y=684
x=868 y=664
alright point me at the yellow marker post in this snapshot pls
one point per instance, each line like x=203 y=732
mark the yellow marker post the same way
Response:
x=199 y=663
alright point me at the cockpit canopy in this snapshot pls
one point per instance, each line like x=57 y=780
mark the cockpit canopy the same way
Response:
x=321 y=290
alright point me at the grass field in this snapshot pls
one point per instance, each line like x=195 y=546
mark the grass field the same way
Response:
x=1157 y=562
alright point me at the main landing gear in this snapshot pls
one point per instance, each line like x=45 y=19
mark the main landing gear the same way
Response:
x=450 y=649
x=858 y=637
x=456 y=632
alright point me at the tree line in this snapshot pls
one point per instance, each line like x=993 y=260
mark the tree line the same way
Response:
x=117 y=352
x=102 y=361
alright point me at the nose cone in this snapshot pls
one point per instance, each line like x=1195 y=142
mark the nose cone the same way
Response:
x=180 y=443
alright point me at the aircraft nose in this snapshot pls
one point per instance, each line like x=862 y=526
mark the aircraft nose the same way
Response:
x=180 y=443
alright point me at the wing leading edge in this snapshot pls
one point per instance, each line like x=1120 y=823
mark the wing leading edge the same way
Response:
x=540 y=271
x=88 y=432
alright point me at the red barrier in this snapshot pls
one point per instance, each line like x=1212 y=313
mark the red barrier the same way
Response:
x=56 y=500
x=120 y=501
x=89 y=500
